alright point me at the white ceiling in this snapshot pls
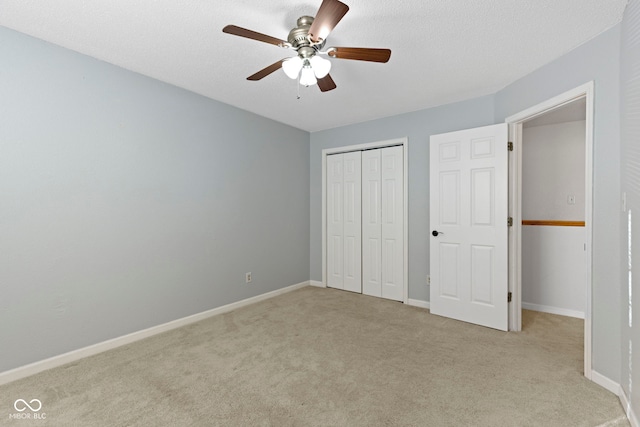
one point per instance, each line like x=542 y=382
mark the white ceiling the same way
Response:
x=443 y=51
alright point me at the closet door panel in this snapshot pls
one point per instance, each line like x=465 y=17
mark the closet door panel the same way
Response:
x=335 y=222
x=392 y=229
x=365 y=222
x=352 y=222
x=371 y=223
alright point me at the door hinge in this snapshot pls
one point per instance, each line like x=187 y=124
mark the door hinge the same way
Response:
x=508 y=296
x=510 y=146
x=510 y=222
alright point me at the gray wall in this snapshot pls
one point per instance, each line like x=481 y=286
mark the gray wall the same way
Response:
x=553 y=169
x=597 y=60
x=127 y=203
x=417 y=126
x=630 y=93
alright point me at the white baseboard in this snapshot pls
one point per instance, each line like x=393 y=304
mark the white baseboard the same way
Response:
x=316 y=283
x=553 y=310
x=616 y=389
x=72 y=356
x=418 y=303
x=626 y=405
x=605 y=382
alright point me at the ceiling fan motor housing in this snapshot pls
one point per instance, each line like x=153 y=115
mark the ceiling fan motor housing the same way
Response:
x=299 y=38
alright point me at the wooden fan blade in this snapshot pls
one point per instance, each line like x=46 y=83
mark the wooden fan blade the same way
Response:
x=253 y=35
x=266 y=71
x=360 y=54
x=326 y=83
x=328 y=16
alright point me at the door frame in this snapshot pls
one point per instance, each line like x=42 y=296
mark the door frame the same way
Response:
x=404 y=142
x=515 y=123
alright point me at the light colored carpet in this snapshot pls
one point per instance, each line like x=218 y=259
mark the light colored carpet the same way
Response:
x=322 y=357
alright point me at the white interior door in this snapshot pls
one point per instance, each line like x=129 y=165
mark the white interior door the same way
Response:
x=335 y=222
x=468 y=218
x=392 y=223
x=371 y=223
x=383 y=222
x=344 y=245
x=352 y=222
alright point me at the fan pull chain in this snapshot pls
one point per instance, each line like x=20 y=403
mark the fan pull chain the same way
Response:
x=298 y=80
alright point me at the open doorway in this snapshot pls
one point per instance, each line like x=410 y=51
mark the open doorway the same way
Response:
x=558 y=205
x=553 y=211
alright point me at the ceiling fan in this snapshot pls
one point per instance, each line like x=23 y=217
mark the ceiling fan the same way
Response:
x=308 y=39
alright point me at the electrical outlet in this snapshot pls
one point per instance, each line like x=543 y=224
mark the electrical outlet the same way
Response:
x=248 y=277
x=571 y=199
x=428 y=279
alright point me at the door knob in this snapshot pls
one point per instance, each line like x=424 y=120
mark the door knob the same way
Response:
x=435 y=233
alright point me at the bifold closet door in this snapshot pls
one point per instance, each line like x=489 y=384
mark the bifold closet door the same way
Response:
x=371 y=223
x=383 y=223
x=344 y=221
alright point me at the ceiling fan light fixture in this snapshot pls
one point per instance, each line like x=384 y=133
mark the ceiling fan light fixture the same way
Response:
x=321 y=66
x=292 y=67
x=307 y=77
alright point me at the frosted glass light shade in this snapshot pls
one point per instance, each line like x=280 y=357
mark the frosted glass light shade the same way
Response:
x=292 y=67
x=321 y=66
x=307 y=78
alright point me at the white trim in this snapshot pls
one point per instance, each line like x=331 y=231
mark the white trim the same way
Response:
x=552 y=104
x=589 y=93
x=587 y=345
x=605 y=382
x=365 y=146
x=553 y=310
x=613 y=423
x=72 y=356
x=359 y=147
x=316 y=283
x=405 y=187
x=324 y=219
x=515 y=207
x=419 y=303
x=515 y=232
x=628 y=410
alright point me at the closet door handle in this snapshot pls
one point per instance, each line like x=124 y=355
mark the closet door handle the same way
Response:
x=435 y=233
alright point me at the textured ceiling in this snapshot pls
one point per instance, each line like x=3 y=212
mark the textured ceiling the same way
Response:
x=443 y=51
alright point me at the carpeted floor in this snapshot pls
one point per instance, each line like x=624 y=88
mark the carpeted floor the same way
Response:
x=321 y=357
